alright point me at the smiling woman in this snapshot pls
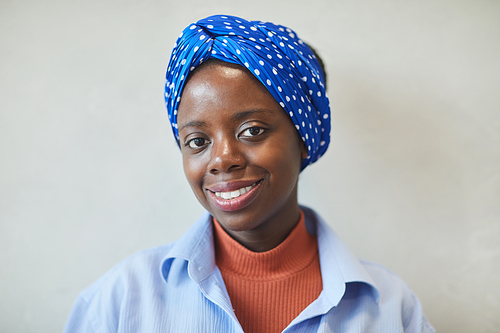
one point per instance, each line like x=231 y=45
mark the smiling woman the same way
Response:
x=248 y=108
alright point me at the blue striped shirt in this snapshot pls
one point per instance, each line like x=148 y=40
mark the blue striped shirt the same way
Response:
x=178 y=288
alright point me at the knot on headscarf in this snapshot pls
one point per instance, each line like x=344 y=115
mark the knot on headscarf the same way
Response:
x=274 y=54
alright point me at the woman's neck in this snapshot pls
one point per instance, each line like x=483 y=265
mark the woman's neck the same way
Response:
x=269 y=234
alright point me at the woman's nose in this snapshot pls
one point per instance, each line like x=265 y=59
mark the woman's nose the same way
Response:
x=226 y=156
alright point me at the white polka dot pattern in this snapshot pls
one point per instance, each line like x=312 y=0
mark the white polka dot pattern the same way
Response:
x=274 y=54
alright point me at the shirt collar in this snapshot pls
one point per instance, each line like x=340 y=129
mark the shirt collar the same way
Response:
x=196 y=246
x=338 y=265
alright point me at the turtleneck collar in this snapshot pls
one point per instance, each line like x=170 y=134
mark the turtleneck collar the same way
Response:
x=294 y=254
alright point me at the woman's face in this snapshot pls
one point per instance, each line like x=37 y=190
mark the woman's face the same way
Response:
x=241 y=153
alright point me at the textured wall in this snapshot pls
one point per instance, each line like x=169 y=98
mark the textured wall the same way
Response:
x=89 y=171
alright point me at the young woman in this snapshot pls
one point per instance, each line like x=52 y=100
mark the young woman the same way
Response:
x=248 y=108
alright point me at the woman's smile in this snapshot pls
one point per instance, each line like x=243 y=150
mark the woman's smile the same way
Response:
x=234 y=195
x=241 y=152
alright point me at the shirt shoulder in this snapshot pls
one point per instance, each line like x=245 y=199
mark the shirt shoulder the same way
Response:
x=135 y=277
x=383 y=277
x=140 y=267
x=394 y=294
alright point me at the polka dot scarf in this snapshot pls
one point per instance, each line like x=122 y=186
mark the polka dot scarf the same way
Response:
x=274 y=54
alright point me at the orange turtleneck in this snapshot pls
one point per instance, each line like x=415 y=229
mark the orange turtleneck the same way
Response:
x=269 y=289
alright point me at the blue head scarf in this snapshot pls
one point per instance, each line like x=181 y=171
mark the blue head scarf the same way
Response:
x=274 y=54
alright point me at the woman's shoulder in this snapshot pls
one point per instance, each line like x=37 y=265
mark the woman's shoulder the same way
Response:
x=390 y=286
x=133 y=278
x=139 y=267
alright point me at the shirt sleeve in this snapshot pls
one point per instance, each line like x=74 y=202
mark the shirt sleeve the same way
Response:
x=414 y=319
x=80 y=319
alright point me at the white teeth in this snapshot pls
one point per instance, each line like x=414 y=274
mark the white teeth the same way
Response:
x=234 y=194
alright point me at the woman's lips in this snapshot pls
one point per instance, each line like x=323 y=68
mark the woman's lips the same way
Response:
x=234 y=196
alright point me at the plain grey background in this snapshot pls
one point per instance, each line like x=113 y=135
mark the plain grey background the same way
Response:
x=90 y=173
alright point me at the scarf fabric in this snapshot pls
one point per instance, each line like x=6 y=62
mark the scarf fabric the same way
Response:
x=274 y=54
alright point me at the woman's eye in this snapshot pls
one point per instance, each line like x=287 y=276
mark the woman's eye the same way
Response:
x=252 y=131
x=196 y=143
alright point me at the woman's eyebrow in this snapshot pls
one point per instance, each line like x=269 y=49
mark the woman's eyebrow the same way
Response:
x=245 y=114
x=193 y=123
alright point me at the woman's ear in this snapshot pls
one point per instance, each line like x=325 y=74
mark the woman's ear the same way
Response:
x=303 y=150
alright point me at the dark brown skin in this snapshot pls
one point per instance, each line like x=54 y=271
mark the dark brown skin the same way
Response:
x=232 y=130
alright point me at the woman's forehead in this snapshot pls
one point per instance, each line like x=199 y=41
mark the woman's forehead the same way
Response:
x=216 y=89
x=228 y=71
